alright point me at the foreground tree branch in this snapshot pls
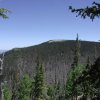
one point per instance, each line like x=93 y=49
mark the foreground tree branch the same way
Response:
x=91 y=12
x=3 y=13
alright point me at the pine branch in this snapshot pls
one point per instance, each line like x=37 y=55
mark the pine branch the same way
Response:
x=3 y=13
x=91 y=12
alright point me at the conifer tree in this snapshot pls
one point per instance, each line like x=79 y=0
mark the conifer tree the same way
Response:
x=24 y=88
x=7 y=92
x=76 y=52
x=51 y=92
x=83 y=80
x=40 y=90
x=71 y=88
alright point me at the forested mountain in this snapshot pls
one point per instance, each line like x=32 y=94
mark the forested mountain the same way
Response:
x=56 y=57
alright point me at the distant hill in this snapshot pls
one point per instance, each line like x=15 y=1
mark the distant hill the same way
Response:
x=56 y=56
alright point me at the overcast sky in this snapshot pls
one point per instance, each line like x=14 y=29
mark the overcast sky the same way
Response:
x=35 y=21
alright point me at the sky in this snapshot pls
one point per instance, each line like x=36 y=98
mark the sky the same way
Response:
x=32 y=22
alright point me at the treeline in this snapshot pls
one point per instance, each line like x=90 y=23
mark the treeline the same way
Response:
x=83 y=83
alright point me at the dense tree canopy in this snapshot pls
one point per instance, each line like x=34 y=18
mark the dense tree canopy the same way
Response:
x=91 y=12
x=89 y=80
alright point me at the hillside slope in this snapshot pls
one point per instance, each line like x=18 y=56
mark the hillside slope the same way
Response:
x=56 y=56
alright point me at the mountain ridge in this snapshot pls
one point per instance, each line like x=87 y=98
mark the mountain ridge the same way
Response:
x=56 y=57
